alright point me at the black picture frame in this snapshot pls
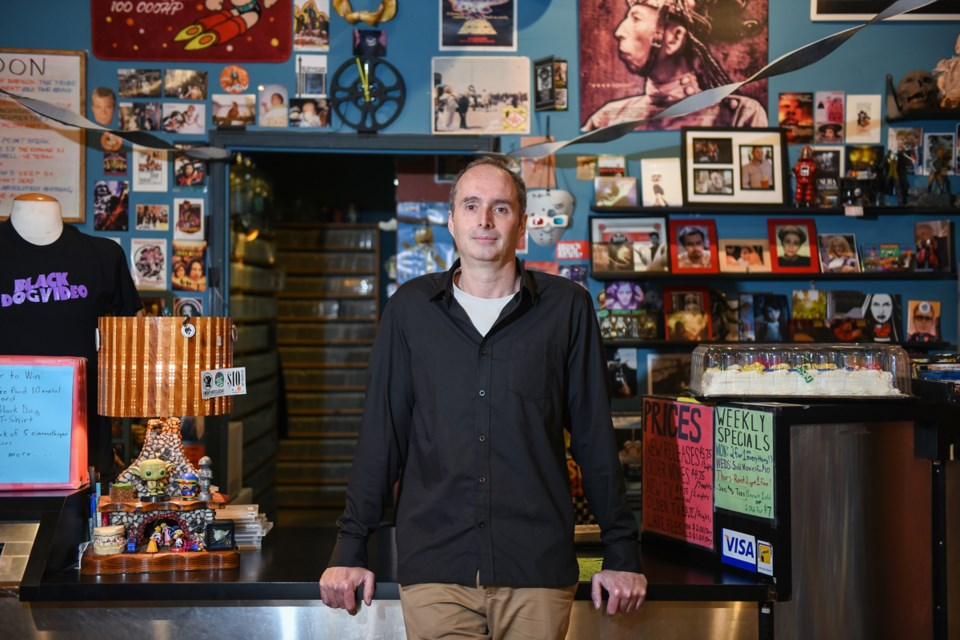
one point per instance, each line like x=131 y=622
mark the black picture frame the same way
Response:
x=220 y=535
x=714 y=167
x=862 y=10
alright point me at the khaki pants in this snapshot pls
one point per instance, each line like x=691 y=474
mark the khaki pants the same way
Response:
x=502 y=613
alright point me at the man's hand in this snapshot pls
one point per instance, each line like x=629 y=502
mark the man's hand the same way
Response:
x=625 y=590
x=339 y=584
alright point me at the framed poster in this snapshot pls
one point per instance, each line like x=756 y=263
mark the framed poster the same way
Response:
x=481 y=95
x=44 y=157
x=861 y=10
x=733 y=166
x=478 y=26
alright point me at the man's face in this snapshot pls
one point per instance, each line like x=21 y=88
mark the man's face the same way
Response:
x=881 y=306
x=103 y=109
x=693 y=243
x=486 y=221
x=716 y=178
x=757 y=155
x=634 y=35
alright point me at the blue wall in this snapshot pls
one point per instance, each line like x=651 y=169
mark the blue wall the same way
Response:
x=549 y=28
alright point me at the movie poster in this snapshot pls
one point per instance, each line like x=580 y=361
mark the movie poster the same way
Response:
x=189 y=266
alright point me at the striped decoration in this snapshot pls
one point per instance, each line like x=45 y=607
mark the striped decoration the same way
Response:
x=147 y=368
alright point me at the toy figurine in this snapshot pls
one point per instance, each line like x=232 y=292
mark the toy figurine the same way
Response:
x=132 y=540
x=896 y=181
x=938 y=182
x=806 y=170
x=188 y=486
x=178 y=540
x=154 y=545
x=154 y=473
x=206 y=477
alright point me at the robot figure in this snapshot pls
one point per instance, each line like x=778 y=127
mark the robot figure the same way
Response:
x=806 y=170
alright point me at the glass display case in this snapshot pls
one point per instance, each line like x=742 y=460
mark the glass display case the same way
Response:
x=847 y=370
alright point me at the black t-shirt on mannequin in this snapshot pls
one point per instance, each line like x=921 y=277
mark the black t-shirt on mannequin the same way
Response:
x=51 y=297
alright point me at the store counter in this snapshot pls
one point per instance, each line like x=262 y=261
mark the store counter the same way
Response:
x=274 y=593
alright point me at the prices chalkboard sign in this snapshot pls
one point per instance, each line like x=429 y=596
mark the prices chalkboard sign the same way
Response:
x=43 y=422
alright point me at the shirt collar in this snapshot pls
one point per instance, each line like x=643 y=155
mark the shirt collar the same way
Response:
x=444 y=288
x=670 y=92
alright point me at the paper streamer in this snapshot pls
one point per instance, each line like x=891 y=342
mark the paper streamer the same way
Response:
x=792 y=61
x=69 y=118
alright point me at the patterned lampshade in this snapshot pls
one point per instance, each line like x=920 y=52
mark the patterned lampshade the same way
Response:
x=151 y=366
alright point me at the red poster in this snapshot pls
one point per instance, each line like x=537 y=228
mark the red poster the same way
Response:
x=678 y=470
x=198 y=31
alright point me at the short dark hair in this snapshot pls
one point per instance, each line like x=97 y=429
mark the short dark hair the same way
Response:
x=518 y=184
x=782 y=232
x=689 y=231
x=105 y=92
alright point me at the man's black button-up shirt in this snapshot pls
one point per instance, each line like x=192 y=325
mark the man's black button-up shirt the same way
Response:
x=473 y=425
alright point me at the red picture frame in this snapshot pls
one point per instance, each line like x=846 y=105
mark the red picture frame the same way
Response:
x=791 y=257
x=693 y=246
x=686 y=312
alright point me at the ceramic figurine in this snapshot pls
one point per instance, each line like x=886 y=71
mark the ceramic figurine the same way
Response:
x=154 y=473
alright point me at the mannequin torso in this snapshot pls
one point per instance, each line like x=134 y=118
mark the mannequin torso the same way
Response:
x=36 y=218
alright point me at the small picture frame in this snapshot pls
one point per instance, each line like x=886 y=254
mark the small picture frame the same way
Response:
x=687 y=314
x=838 y=253
x=620 y=246
x=933 y=240
x=796 y=249
x=615 y=191
x=771 y=317
x=733 y=166
x=693 y=244
x=923 y=321
x=744 y=255
x=220 y=535
x=660 y=184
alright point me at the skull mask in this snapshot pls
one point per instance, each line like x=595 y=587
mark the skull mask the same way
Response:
x=548 y=214
x=917 y=90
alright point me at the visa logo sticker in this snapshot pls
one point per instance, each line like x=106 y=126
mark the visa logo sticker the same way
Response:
x=739 y=549
x=223 y=382
x=764 y=558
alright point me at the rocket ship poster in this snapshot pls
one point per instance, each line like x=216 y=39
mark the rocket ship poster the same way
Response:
x=192 y=31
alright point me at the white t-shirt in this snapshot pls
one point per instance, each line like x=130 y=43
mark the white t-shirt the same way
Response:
x=483 y=312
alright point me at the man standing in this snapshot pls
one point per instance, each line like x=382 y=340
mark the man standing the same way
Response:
x=666 y=44
x=474 y=375
x=757 y=173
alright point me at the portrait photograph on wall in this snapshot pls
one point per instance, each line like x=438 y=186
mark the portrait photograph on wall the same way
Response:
x=733 y=166
x=796 y=245
x=619 y=73
x=686 y=311
x=693 y=246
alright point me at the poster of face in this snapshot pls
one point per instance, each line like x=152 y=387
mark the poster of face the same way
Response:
x=620 y=69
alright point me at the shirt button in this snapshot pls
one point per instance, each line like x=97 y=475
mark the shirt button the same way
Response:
x=483 y=438
x=482 y=525
x=482 y=393
x=481 y=479
x=483 y=352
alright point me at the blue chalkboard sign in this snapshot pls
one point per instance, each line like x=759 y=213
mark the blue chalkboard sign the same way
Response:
x=42 y=422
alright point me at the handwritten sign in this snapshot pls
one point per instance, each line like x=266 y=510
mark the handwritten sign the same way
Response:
x=42 y=423
x=744 y=461
x=678 y=470
x=37 y=155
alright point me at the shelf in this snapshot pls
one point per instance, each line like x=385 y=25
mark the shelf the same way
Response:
x=767 y=210
x=326 y=296
x=665 y=275
x=691 y=344
x=305 y=320
x=320 y=343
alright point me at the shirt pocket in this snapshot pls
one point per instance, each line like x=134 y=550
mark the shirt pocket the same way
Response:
x=530 y=370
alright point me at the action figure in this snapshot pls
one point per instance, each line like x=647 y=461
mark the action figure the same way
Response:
x=896 y=181
x=806 y=170
x=938 y=182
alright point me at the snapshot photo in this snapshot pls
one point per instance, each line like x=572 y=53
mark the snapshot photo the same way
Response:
x=481 y=96
x=620 y=244
x=748 y=255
